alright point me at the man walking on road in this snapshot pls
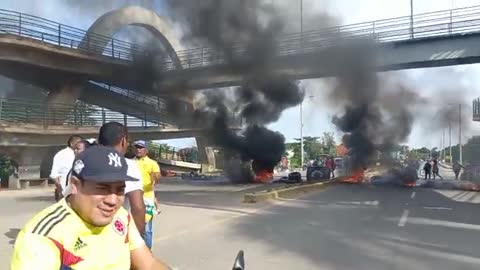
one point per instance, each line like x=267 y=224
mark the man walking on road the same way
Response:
x=62 y=164
x=436 y=170
x=115 y=135
x=150 y=175
x=428 y=169
x=457 y=167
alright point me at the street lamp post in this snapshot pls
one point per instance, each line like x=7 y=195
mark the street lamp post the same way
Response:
x=301 y=17
x=460 y=133
x=411 y=18
x=301 y=25
x=301 y=135
x=302 y=152
x=450 y=140
x=443 y=145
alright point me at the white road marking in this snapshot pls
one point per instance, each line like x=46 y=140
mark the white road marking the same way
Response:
x=369 y=203
x=413 y=195
x=436 y=208
x=403 y=218
x=443 y=223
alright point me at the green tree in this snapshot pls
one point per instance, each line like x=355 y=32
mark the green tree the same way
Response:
x=420 y=153
x=6 y=169
x=294 y=160
x=328 y=144
x=160 y=151
x=314 y=147
x=471 y=150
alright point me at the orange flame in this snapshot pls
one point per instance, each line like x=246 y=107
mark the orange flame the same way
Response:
x=356 y=177
x=410 y=184
x=263 y=176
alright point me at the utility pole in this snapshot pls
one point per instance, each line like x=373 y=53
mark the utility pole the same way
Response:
x=443 y=145
x=301 y=17
x=301 y=25
x=450 y=140
x=301 y=136
x=301 y=104
x=460 y=132
x=411 y=19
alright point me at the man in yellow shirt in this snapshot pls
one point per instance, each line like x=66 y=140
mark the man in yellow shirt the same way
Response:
x=150 y=175
x=89 y=229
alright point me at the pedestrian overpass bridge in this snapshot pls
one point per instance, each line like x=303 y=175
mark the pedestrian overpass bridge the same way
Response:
x=48 y=49
x=31 y=133
x=47 y=53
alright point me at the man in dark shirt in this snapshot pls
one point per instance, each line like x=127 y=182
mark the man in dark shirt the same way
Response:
x=428 y=169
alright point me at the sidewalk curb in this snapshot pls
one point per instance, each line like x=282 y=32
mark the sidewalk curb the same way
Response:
x=285 y=191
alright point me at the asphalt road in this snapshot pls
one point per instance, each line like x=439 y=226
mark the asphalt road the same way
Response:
x=342 y=227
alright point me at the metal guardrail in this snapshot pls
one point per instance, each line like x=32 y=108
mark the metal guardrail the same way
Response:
x=433 y=24
x=47 y=31
x=80 y=114
x=440 y=23
x=50 y=32
x=158 y=103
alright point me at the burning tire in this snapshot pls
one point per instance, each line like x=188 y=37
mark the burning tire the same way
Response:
x=295 y=177
x=318 y=173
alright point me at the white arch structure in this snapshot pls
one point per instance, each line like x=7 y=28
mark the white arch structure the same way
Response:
x=111 y=22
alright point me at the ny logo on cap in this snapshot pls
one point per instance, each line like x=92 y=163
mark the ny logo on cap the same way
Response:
x=114 y=160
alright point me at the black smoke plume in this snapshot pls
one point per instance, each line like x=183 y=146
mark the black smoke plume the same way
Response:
x=244 y=33
x=256 y=104
x=377 y=108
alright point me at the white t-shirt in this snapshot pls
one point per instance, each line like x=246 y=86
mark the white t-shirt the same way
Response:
x=61 y=166
x=133 y=171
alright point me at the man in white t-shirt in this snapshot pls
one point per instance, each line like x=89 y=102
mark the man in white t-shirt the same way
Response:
x=61 y=166
x=115 y=135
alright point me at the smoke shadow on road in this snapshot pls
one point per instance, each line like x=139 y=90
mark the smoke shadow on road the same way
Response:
x=363 y=237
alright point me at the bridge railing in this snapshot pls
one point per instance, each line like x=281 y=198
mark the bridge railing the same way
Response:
x=25 y=25
x=79 y=114
x=158 y=103
x=440 y=23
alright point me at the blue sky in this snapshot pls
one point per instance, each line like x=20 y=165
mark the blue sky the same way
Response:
x=317 y=115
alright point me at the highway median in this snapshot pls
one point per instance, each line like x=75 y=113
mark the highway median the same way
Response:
x=288 y=191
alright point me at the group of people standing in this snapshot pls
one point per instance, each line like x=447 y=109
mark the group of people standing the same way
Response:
x=140 y=196
x=431 y=168
x=87 y=228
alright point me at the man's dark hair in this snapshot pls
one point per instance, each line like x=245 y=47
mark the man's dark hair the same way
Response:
x=112 y=133
x=73 y=138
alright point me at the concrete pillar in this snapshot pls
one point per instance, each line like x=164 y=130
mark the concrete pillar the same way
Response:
x=61 y=100
x=206 y=155
x=66 y=93
x=31 y=164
